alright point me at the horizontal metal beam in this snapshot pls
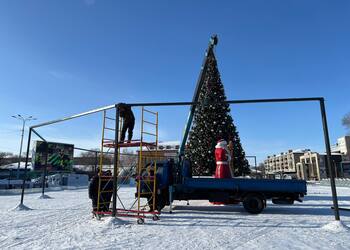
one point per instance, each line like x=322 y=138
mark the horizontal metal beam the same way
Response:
x=98 y=152
x=87 y=150
x=276 y=100
x=74 y=116
x=149 y=104
x=229 y=102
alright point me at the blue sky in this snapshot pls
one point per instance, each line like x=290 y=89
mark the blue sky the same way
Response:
x=59 y=58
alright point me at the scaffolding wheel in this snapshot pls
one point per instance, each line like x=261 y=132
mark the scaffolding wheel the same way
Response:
x=155 y=217
x=140 y=221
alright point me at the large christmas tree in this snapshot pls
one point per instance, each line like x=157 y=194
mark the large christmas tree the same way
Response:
x=212 y=122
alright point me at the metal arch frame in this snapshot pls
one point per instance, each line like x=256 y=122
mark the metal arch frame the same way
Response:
x=44 y=171
x=320 y=100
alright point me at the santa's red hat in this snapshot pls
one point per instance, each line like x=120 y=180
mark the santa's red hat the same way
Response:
x=221 y=143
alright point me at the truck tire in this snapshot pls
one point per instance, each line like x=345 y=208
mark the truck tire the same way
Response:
x=254 y=203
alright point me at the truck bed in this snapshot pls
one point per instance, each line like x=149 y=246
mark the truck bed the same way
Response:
x=246 y=185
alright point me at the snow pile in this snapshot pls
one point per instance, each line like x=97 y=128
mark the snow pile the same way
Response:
x=15 y=165
x=20 y=207
x=44 y=196
x=336 y=227
x=115 y=222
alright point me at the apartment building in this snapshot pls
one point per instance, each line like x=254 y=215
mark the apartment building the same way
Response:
x=343 y=147
x=284 y=163
x=313 y=166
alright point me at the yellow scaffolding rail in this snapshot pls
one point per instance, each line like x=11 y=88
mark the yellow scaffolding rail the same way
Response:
x=149 y=183
x=105 y=178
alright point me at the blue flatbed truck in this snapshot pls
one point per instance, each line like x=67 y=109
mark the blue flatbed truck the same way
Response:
x=174 y=180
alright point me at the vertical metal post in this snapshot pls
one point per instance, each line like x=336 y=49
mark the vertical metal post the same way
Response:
x=26 y=166
x=115 y=161
x=329 y=162
x=335 y=169
x=171 y=199
x=20 y=150
x=256 y=167
x=139 y=166
x=44 y=170
x=342 y=169
x=155 y=167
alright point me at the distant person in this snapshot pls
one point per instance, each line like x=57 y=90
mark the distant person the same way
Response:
x=105 y=196
x=126 y=113
x=93 y=191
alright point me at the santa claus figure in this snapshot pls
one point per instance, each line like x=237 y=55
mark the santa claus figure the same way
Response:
x=222 y=157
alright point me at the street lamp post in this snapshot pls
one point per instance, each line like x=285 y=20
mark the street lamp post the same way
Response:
x=24 y=120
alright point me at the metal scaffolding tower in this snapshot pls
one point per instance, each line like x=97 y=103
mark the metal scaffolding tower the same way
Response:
x=144 y=171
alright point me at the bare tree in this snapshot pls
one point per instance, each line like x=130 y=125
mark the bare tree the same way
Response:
x=346 y=121
x=91 y=159
x=3 y=156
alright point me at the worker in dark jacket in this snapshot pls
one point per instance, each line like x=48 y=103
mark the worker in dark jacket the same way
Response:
x=126 y=113
x=105 y=195
x=93 y=191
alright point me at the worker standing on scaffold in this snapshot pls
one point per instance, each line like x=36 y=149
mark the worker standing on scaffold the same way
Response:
x=126 y=113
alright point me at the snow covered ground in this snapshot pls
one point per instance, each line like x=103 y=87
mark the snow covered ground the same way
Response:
x=65 y=222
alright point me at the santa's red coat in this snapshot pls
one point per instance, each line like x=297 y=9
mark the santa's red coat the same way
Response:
x=222 y=166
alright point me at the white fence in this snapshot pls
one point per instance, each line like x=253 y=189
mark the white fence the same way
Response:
x=38 y=190
x=339 y=182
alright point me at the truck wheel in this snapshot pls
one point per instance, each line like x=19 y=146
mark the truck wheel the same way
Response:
x=254 y=203
x=140 y=221
x=155 y=217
